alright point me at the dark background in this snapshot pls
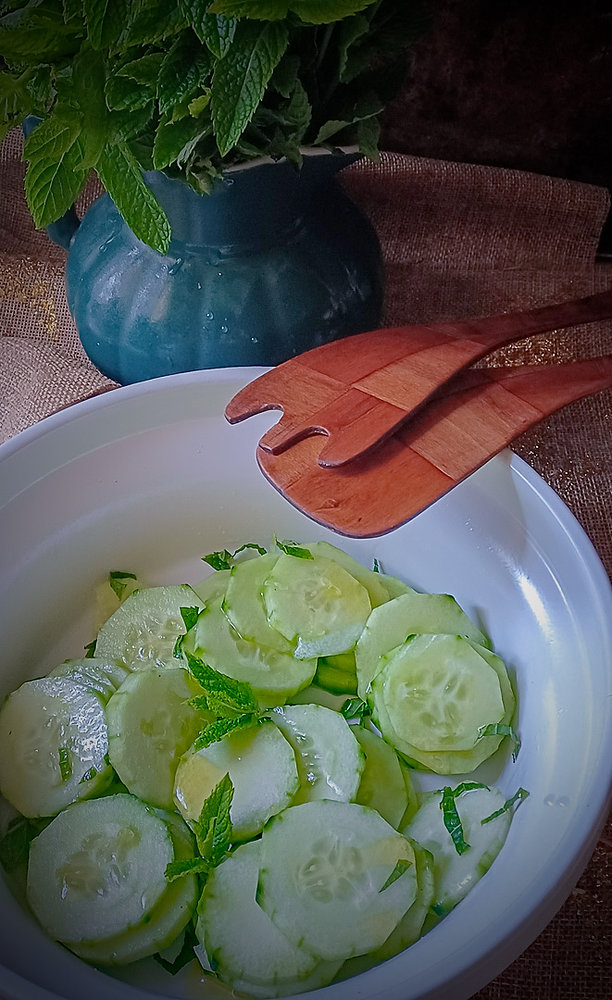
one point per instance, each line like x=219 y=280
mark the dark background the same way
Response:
x=512 y=83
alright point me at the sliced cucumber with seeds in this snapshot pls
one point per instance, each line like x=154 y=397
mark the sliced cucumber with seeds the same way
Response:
x=373 y=582
x=409 y=614
x=98 y=868
x=143 y=631
x=274 y=676
x=53 y=745
x=335 y=877
x=439 y=692
x=446 y=761
x=150 y=726
x=262 y=768
x=241 y=941
x=244 y=604
x=337 y=673
x=330 y=761
x=316 y=604
x=454 y=873
x=101 y=675
x=167 y=919
x=382 y=786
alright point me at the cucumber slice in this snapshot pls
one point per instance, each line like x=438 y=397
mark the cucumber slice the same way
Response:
x=240 y=940
x=450 y=761
x=439 y=692
x=150 y=726
x=274 y=676
x=109 y=598
x=244 y=604
x=144 y=629
x=327 y=877
x=53 y=745
x=167 y=919
x=101 y=675
x=98 y=868
x=382 y=786
x=455 y=874
x=394 y=586
x=409 y=614
x=262 y=768
x=373 y=582
x=212 y=586
x=330 y=761
x=410 y=927
x=337 y=674
x=316 y=604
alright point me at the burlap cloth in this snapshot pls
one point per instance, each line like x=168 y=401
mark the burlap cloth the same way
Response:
x=458 y=240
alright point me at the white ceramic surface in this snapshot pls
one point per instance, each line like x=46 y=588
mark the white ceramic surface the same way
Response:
x=150 y=477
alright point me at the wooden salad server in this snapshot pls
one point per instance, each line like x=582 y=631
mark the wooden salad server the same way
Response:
x=359 y=390
x=483 y=411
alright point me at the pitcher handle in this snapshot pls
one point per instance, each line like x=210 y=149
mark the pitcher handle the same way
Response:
x=61 y=231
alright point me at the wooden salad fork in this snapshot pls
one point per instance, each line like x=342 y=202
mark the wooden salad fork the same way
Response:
x=360 y=390
x=469 y=422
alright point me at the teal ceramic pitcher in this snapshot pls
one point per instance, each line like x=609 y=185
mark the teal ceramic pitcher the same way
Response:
x=272 y=262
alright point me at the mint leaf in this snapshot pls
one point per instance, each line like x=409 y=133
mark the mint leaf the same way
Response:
x=401 y=866
x=187 y=866
x=55 y=175
x=151 y=22
x=354 y=708
x=105 y=20
x=15 y=842
x=213 y=828
x=293 y=549
x=518 y=796
x=223 y=727
x=144 y=70
x=184 y=70
x=117 y=581
x=37 y=35
x=236 y=696
x=15 y=102
x=250 y=545
x=309 y=11
x=213 y=30
x=241 y=77
x=120 y=173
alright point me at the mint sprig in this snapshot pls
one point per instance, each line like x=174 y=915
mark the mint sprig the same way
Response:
x=213 y=832
x=232 y=702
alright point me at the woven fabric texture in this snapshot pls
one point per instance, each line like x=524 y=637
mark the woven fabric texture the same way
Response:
x=458 y=241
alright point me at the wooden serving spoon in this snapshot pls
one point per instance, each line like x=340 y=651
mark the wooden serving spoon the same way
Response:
x=481 y=413
x=360 y=390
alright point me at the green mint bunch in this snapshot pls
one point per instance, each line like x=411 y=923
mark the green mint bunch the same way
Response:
x=190 y=87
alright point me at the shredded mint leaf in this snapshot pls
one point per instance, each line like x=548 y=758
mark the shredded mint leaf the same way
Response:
x=219 y=560
x=354 y=708
x=518 y=796
x=90 y=648
x=189 y=616
x=293 y=549
x=91 y=773
x=452 y=821
x=117 y=581
x=65 y=763
x=122 y=177
x=401 y=866
x=241 y=77
x=251 y=545
x=499 y=729
x=224 y=726
x=376 y=566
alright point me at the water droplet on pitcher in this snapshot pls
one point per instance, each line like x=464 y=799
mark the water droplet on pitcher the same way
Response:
x=223 y=328
x=178 y=263
x=254 y=340
x=210 y=315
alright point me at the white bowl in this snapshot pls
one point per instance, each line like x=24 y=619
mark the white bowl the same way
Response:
x=150 y=477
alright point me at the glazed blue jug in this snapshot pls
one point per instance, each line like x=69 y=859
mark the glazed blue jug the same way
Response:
x=272 y=262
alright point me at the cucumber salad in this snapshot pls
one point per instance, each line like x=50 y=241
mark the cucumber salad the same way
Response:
x=229 y=780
